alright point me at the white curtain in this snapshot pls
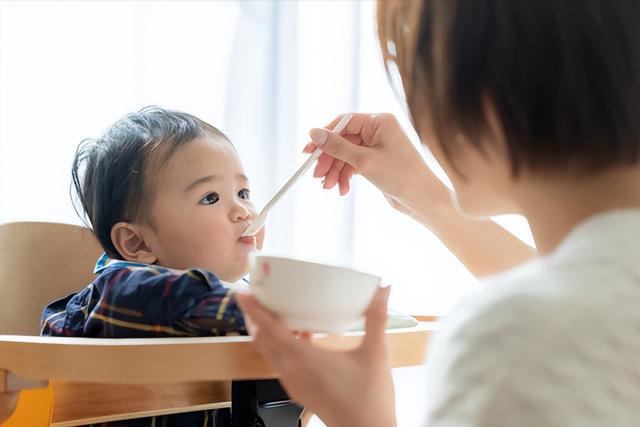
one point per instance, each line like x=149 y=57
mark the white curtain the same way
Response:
x=264 y=72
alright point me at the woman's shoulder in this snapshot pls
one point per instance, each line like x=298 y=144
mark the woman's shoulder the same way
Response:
x=546 y=327
x=509 y=311
x=551 y=302
x=545 y=295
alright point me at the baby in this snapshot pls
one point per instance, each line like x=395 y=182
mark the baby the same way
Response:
x=167 y=198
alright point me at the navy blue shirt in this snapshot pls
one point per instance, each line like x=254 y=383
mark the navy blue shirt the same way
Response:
x=133 y=300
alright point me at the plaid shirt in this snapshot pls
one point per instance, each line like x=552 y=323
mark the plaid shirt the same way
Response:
x=133 y=300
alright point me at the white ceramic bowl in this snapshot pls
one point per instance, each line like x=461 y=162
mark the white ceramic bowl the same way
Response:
x=311 y=296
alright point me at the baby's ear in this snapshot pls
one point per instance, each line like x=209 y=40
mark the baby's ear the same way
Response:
x=128 y=240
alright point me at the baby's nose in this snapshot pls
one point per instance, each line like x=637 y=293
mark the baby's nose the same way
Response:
x=242 y=213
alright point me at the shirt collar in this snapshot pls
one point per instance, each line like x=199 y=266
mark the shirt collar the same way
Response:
x=105 y=262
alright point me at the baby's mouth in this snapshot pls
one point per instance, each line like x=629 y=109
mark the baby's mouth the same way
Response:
x=247 y=239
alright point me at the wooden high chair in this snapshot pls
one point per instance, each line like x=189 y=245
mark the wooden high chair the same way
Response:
x=99 y=380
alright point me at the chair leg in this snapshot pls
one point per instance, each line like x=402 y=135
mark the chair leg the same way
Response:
x=262 y=403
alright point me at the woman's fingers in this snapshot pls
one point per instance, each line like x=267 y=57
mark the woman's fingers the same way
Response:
x=331 y=179
x=338 y=147
x=309 y=148
x=270 y=334
x=323 y=380
x=341 y=172
x=345 y=178
x=260 y=316
x=323 y=165
x=343 y=187
x=376 y=321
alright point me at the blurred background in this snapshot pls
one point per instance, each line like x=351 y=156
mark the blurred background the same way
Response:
x=264 y=72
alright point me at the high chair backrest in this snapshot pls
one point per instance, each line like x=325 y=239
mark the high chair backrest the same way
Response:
x=41 y=262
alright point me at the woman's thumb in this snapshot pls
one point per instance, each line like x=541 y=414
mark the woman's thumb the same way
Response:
x=376 y=318
x=336 y=146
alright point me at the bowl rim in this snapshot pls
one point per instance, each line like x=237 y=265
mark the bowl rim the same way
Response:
x=254 y=256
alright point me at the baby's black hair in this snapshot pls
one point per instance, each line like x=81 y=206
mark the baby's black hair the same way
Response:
x=111 y=174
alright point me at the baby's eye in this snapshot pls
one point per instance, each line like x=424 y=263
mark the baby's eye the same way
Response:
x=244 y=193
x=209 y=199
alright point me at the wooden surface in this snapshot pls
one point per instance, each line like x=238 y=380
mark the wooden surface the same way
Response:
x=97 y=380
x=146 y=361
x=84 y=403
x=39 y=263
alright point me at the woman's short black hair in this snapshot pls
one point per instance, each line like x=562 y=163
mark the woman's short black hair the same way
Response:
x=112 y=174
x=562 y=75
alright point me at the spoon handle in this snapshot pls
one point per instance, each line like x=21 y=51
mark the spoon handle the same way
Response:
x=305 y=166
x=293 y=179
x=258 y=222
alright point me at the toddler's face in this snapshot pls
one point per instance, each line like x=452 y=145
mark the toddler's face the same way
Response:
x=200 y=209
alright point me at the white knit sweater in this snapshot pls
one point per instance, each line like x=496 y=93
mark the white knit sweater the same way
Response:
x=555 y=342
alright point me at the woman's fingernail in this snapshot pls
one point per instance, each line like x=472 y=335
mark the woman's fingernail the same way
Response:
x=319 y=136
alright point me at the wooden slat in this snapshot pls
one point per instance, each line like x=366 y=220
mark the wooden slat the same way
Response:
x=87 y=403
x=145 y=361
x=65 y=257
x=124 y=374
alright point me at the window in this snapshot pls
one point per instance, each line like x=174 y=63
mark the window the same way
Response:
x=262 y=71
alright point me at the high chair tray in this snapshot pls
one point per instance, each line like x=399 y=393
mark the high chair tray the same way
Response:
x=167 y=360
x=100 y=380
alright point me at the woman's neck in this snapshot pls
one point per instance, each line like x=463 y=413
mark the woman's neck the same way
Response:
x=554 y=205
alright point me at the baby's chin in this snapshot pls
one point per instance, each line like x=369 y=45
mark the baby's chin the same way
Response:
x=232 y=278
x=228 y=275
x=234 y=275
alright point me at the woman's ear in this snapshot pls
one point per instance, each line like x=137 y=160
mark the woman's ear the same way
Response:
x=128 y=240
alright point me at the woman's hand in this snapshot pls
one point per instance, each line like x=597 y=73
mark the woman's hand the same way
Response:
x=376 y=147
x=351 y=388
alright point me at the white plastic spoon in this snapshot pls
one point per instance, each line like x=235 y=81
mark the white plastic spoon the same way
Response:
x=258 y=223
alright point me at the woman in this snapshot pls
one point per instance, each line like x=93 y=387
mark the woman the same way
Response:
x=531 y=108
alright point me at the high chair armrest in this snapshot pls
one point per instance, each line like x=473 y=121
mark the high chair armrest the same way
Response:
x=154 y=369
x=169 y=360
